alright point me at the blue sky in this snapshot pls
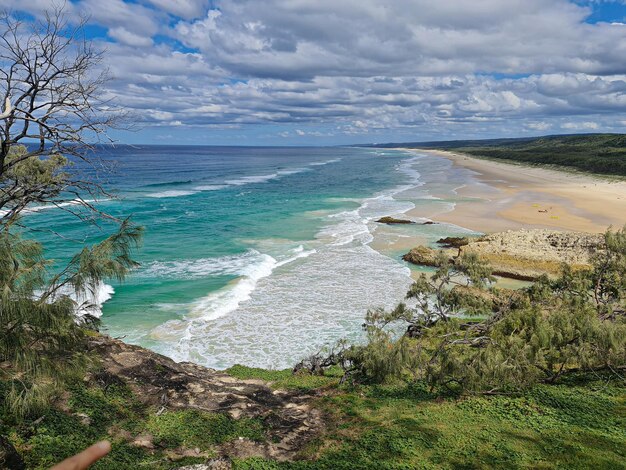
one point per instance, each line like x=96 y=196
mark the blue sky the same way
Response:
x=325 y=72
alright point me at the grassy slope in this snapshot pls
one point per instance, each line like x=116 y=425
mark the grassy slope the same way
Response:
x=594 y=153
x=576 y=425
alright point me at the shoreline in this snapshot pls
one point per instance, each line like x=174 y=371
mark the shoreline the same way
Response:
x=506 y=196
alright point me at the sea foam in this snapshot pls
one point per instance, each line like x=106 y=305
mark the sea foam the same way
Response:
x=269 y=318
x=171 y=193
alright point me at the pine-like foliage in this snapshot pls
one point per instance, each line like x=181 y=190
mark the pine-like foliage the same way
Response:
x=576 y=322
x=42 y=342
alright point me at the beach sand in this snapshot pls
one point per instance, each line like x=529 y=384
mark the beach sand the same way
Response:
x=501 y=196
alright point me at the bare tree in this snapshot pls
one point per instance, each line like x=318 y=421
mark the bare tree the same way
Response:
x=51 y=81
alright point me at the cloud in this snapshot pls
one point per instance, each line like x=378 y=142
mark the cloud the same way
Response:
x=362 y=67
x=580 y=125
x=538 y=126
x=188 y=9
x=302 y=39
x=126 y=37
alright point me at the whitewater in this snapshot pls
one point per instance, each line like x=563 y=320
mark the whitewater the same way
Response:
x=260 y=256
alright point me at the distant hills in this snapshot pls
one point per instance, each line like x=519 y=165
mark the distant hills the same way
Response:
x=594 y=153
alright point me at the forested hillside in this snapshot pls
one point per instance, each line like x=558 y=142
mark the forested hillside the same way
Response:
x=595 y=153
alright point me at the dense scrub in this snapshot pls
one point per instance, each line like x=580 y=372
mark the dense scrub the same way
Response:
x=467 y=335
x=594 y=153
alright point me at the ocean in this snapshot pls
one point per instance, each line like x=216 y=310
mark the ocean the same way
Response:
x=256 y=256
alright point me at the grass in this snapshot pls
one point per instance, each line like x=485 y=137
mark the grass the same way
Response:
x=577 y=424
x=580 y=425
x=93 y=414
x=285 y=380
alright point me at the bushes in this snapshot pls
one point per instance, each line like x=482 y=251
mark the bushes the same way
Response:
x=553 y=328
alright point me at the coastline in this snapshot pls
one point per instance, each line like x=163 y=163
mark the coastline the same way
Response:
x=506 y=196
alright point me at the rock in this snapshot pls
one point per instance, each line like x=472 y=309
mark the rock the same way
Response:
x=523 y=254
x=213 y=464
x=144 y=441
x=10 y=459
x=163 y=384
x=422 y=256
x=85 y=420
x=453 y=242
x=391 y=221
x=528 y=253
x=429 y=222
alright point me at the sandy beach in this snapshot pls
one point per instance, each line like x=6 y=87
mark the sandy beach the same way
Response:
x=502 y=196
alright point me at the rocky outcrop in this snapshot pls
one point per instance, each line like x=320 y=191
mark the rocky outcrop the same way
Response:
x=422 y=256
x=166 y=385
x=453 y=242
x=393 y=221
x=520 y=254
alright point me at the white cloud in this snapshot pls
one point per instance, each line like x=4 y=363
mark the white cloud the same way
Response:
x=580 y=125
x=363 y=66
x=539 y=126
x=126 y=37
x=302 y=39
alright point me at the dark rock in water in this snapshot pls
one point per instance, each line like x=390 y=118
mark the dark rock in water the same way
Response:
x=429 y=222
x=422 y=256
x=453 y=242
x=9 y=457
x=391 y=220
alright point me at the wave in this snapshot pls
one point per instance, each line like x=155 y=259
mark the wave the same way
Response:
x=273 y=309
x=300 y=253
x=229 y=183
x=236 y=265
x=250 y=267
x=272 y=319
x=327 y=162
x=171 y=193
x=33 y=209
x=264 y=178
x=90 y=301
x=211 y=187
x=227 y=300
x=243 y=265
x=354 y=225
x=167 y=184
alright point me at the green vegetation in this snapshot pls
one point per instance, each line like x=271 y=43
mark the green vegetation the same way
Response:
x=473 y=376
x=41 y=342
x=576 y=322
x=578 y=424
x=594 y=153
x=88 y=414
x=287 y=380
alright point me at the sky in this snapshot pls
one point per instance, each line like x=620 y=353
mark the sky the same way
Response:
x=327 y=72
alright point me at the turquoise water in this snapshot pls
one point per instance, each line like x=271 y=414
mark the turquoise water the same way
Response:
x=257 y=256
